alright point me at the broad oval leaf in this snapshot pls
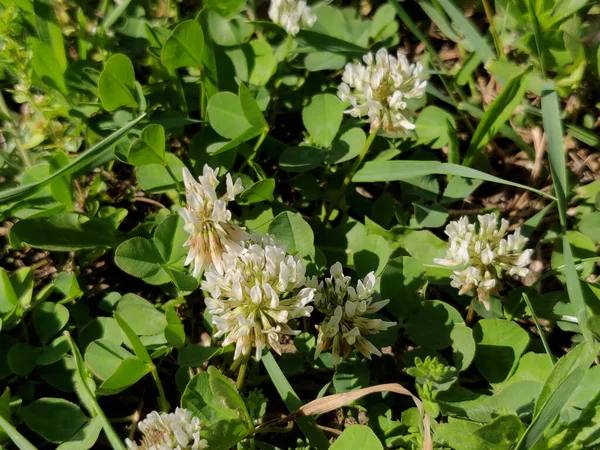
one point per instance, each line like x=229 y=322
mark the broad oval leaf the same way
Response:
x=184 y=47
x=116 y=86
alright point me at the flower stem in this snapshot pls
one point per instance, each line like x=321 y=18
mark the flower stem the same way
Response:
x=470 y=313
x=350 y=174
x=242 y=373
x=162 y=398
x=490 y=17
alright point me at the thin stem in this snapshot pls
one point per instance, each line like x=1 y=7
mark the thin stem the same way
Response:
x=349 y=175
x=539 y=328
x=490 y=17
x=250 y=160
x=162 y=398
x=202 y=99
x=18 y=439
x=242 y=373
x=470 y=313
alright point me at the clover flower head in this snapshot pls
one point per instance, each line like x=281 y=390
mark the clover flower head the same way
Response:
x=291 y=15
x=484 y=254
x=379 y=89
x=256 y=298
x=208 y=221
x=346 y=309
x=175 y=431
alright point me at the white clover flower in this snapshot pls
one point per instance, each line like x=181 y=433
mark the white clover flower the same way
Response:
x=345 y=310
x=208 y=221
x=254 y=300
x=379 y=89
x=291 y=15
x=484 y=254
x=175 y=431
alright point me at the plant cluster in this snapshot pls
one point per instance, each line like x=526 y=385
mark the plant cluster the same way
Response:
x=299 y=225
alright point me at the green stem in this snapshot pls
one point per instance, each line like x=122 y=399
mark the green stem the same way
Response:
x=242 y=373
x=539 y=328
x=18 y=439
x=250 y=160
x=470 y=313
x=490 y=17
x=349 y=175
x=89 y=399
x=202 y=99
x=162 y=398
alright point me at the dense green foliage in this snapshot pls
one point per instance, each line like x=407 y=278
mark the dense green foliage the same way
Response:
x=105 y=105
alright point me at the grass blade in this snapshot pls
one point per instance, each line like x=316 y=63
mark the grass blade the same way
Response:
x=539 y=328
x=88 y=398
x=287 y=394
x=499 y=112
x=22 y=192
x=558 y=168
x=537 y=33
x=403 y=170
x=18 y=439
x=560 y=384
x=480 y=46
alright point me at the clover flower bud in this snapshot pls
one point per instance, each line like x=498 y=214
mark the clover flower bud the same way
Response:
x=292 y=15
x=346 y=311
x=379 y=90
x=485 y=254
x=208 y=221
x=255 y=300
x=175 y=431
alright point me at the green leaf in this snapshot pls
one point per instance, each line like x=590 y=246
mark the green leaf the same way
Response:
x=463 y=346
x=65 y=232
x=196 y=355
x=292 y=231
x=174 y=332
x=470 y=33
x=301 y=159
x=590 y=226
x=252 y=112
x=169 y=238
x=22 y=358
x=560 y=385
x=140 y=257
x=225 y=8
x=371 y=255
x=430 y=325
x=433 y=125
x=261 y=191
x=226 y=115
x=350 y=375
x=322 y=118
x=46 y=65
x=55 y=419
x=141 y=315
x=406 y=170
x=104 y=356
x=499 y=345
x=500 y=434
x=82 y=161
x=116 y=86
x=149 y=148
x=229 y=32
x=211 y=401
x=8 y=297
x=357 y=436
x=430 y=216
x=67 y=284
x=53 y=352
x=184 y=47
x=85 y=438
x=292 y=402
x=129 y=372
x=50 y=31
x=400 y=281
x=48 y=319
x=347 y=147
x=498 y=112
